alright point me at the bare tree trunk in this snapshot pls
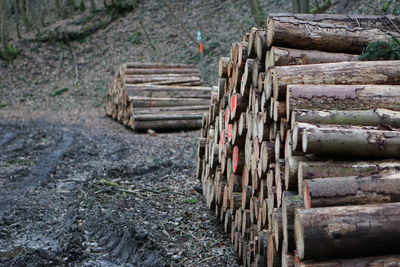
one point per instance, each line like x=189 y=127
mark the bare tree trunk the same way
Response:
x=304 y=6
x=92 y=5
x=25 y=15
x=17 y=17
x=3 y=33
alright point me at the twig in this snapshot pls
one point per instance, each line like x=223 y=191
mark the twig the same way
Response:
x=355 y=17
x=190 y=36
x=383 y=14
x=206 y=259
x=147 y=35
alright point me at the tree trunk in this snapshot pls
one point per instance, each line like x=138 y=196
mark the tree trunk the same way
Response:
x=281 y=56
x=3 y=33
x=372 y=117
x=17 y=17
x=345 y=97
x=290 y=202
x=346 y=73
x=351 y=140
x=347 y=231
x=352 y=190
x=382 y=22
x=329 y=37
x=324 y=169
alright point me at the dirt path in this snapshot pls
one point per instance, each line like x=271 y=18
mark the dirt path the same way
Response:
x=86 y=191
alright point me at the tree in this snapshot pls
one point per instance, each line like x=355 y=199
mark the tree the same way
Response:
x=301 y=6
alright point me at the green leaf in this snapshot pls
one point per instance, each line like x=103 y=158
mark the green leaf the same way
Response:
x=192 y=200
x=59 y=92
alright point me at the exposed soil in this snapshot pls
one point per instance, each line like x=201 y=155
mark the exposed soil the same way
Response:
x=77 y=188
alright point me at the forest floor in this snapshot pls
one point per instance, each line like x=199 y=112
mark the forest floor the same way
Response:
x=77 y=188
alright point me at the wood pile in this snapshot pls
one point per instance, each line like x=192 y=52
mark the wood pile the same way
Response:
x=299 y=156
x=158 y=96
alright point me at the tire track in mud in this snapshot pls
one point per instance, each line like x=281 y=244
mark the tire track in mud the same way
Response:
x=39 y=173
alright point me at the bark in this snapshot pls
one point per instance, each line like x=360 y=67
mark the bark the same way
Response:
x=330 y=37
x=281 y=56
x=345 y=97
x=325 y=169
x=351 y=140
x=352 y=190
x=382 y=22
x=347 y=231
x=344 y=73
x=192 y=71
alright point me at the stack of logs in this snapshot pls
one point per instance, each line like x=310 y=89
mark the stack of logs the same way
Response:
x=299 y=155
x=158 y=96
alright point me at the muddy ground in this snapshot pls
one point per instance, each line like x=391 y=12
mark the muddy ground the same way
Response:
x=78 y=194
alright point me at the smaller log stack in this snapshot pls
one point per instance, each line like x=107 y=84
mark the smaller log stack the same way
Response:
x=158 y=96
x=299 y=156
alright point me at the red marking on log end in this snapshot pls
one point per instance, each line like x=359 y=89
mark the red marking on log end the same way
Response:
x=229 y=131
x=235 y=158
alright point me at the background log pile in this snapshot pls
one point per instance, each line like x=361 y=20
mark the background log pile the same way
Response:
x=158 y=96
x=299 y=154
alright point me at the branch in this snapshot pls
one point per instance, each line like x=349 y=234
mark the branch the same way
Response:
x=383 y=14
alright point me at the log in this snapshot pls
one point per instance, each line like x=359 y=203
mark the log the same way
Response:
x=345 y=73
x=382 y=22
x=223 y=67
x=352 y=190
x=324 y=169
x=277 y=228
x=162 y=80
x=290 y=201
x=193 y=71
x=142 y=102
x=167 y=124
x=282 y=56
x=242 y=54
x=273 y=256
x=343 y=97
x=370 y=117
x=178 y=109
x=145 y=65
x=351 y=140
x=169 y=116
x=330 y=37
x=261 y=45
x=346 y=231
x=237 y=160
x=251 y=47
x=386 y=260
